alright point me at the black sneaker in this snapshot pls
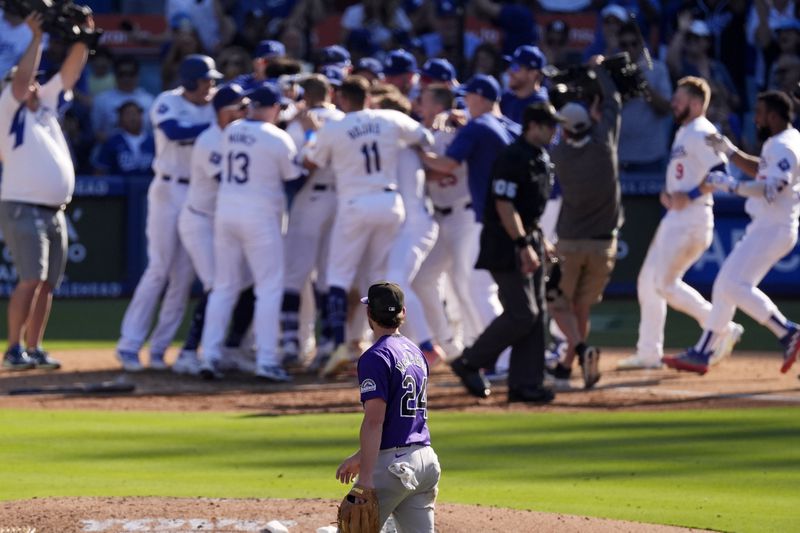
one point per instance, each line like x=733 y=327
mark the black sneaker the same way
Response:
x=559 y=371
x=16 y=359
x=473 y=379
x=590 y=359
x=531 y=395
x=43 y=360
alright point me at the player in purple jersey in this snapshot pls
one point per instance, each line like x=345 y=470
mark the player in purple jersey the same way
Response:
x=395 y=457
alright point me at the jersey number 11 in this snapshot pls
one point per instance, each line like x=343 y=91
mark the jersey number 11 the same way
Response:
x=375 y=160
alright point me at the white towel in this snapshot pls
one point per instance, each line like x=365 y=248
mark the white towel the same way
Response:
x=405 y=474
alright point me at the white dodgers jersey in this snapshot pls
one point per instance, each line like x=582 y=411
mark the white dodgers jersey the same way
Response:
x=173 y=158
x=691 y=157
x=450 y=191
x=324 y=175
x=411 y=181
x=37 y=166
x=257 y=157
x=362 y=149
x=780 y=157
x=206 y=169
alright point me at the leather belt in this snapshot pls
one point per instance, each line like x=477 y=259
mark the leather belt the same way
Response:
x=322 y=187
x=444 y=211
x=181 y=181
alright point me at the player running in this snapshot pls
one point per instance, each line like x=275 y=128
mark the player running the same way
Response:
x=773 y=203
x=684 y=234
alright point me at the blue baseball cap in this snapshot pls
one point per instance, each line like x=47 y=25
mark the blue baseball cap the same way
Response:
x=371 y=64
x=334 y=74
x=399 y=62
x=483 y=85
x=227 y=95
x=528 y=56
x=267 y=94
x=334 y=55
x=438 y=69
x=268 y=49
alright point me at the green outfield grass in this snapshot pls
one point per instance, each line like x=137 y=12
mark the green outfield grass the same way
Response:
x=95 y=323
x=733 y=470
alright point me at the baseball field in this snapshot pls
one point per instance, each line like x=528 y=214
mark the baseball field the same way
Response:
x=643 y=451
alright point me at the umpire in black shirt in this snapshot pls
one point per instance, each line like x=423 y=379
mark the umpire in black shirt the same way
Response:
x=512 y=247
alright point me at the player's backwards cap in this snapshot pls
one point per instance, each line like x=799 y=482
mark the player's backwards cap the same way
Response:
x=267 y=94
x=576 y=118
x=527 y=56
x=334 y=55
x=197 y=67
x=227 y=95
x=269 y=49
x=399 y=62
x=438 y=69
x=483 y=85
x=616 y=11
x=384 y=300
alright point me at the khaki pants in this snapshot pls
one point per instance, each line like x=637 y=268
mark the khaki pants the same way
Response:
x=586 y=266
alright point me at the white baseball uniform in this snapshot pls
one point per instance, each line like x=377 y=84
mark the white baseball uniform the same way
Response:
x=771 y=234
x=362 y=149
x=257 y=157
x=681 y=238
x=168 y=262
x=414 y=242
x=196 y=221
x=455 y=253
x=307 y=237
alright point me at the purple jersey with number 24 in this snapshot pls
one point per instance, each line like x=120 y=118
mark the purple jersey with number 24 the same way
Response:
x=395 y=370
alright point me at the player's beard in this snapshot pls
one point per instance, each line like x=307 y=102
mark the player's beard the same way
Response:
x=681 y=117
x=763 y=133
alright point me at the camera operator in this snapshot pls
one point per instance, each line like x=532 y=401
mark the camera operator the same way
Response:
x=586 y=166
x=644 y=137
x=37 y=184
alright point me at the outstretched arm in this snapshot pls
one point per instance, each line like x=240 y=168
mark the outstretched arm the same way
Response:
x=29 y=62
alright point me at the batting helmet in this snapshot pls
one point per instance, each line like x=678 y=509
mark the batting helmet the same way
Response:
x=197 y=67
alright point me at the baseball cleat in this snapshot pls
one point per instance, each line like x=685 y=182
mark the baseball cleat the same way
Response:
x=638 y=362
x=274 y=373
x=187 y=363
x=157 y=362
x=590 y=361
x=733 y=334
x=474 y=380
x=209 y=370
x=130 y=361
x=17 y=359
x=691 y=361
x=338 y=361
x=791 y=349
x=43 y=360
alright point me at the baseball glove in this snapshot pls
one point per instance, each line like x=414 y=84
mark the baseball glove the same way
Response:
x=359 y=512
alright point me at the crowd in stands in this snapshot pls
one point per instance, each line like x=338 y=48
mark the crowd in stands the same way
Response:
x=739 y=46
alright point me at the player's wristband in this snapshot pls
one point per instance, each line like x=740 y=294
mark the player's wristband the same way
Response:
x=694 y=193
x=310 y=135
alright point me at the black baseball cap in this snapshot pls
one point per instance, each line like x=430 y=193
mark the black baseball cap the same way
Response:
x=541 y=113
x=384 y=300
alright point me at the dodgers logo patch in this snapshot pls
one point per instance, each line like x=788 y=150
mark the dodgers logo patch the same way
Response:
x=215 y=158
x=163 y=108
x=367 y=386
x=784 y=165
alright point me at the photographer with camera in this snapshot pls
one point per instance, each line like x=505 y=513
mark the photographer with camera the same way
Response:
x=591 y=214
x=37 y=184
